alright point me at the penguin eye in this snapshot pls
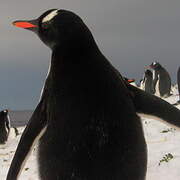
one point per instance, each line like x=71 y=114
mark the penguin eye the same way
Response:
x=45 y=25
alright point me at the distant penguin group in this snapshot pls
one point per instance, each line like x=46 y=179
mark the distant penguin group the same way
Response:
x=156 y=80
x=86 y=121
x=4 y=126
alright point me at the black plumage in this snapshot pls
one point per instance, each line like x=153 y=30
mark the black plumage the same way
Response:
x=86 y=120
x=4 y=126
x=148 y=81
x=90 y=128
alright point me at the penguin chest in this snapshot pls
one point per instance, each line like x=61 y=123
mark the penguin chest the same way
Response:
x=157 y=87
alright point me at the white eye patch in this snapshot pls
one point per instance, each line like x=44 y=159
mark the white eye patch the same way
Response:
x=50 y=16
x=154 y=63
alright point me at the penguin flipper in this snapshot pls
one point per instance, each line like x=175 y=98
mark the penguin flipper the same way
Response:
x=33 y=131
x=148 y=105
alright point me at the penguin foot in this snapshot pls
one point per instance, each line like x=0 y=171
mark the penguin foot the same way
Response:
x=16 y=131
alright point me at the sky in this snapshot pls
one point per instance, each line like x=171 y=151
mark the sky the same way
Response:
x=130 y=33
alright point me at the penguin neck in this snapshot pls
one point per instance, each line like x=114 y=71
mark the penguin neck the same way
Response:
x=75 y=45
x=75 y=54
x=71 y=63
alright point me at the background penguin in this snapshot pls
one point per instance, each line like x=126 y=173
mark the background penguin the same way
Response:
x=85 y=120
x=149 y=106
x=4 y=126
x=161 y=80
x=178 y=83
x=148 y=82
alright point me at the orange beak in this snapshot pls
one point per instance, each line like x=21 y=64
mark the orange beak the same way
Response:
x=24 y=24
x=131 y=80
x=31 y=25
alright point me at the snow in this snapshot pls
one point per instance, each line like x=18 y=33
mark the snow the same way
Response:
x=161 y=140
x=30 y=171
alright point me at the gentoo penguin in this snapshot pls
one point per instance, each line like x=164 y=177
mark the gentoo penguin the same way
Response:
x=178 y=83
x=85 y=121
x=148 y=82
x=4 y=126
x=149 y=106
x=161 y=80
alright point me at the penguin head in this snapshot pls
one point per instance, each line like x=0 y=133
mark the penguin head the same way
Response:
x=155 y=65
x=4 y=112
x=57 y=28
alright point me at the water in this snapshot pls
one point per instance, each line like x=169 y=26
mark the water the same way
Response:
x=20 y=118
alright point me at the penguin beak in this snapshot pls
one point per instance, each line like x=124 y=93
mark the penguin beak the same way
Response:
x=130 y=80
x=148 y=67
x=31 y=25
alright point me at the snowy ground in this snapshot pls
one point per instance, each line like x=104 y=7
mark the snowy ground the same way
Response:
x=163 y=152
